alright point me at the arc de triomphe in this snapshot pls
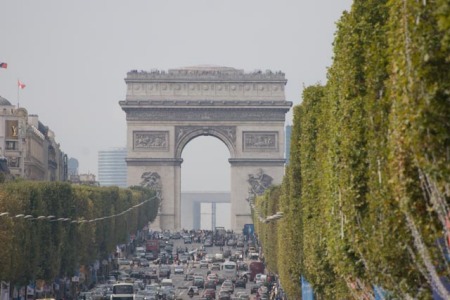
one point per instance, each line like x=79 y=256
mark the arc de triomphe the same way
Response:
x=167 y=109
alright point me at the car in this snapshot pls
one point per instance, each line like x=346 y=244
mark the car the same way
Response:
x=124 y=262
x=262 y=291
x=189 y=277
x=203 y=264
x=226 y=253
x=227 y=285
x=194 y=289
x=144 y=262
x=260 y=278
x=184 y=258
x=231 y=242
x=150 y=256
x=242 y=266
x=224 y=295
x=176 y=236
x=254 y=288
x=242 y=296
x=198 y=282
x=240 y=283
x=209 y=294
x=164 y=271
x=219 y=243
x=111 y=280
x=151 y=273
x=210 y=284
x=213 y=276
x=215 y=267
x=178 y=270
x=187 y=240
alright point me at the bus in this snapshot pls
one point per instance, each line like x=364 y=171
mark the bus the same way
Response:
x=122 y=291
x=229 y=270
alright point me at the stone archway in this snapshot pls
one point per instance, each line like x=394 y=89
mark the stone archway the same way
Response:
x=165 y=110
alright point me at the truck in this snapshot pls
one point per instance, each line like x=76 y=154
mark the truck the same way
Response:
x=248 y=230
x=255 y=267
x=152 y=246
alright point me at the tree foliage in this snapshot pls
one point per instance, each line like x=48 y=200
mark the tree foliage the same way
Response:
x=366 y=195
x=34 y=248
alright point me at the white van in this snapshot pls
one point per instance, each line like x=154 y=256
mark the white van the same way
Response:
x=260 y=278
x=167 y=282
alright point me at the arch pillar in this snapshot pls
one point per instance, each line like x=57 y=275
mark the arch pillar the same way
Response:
x=243 y=168
x=169 y=172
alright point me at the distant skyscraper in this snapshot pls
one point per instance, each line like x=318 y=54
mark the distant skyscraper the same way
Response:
x=112 y=168
x=288 y=143
x=73 y=166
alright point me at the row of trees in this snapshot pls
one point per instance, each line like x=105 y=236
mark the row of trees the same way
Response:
x=48 y=248
x=366 y=195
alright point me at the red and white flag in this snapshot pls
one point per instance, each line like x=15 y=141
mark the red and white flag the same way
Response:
x=21 y=84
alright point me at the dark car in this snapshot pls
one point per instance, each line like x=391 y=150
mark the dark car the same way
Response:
x=226 y=253
x=144 y=262
x=164 y=272
x=240 y=283
x=254 y=288
x=176 y=236
x=199 y=282
x=210 y=284
x=150 y=256
x=189 y=277
x=219 y=243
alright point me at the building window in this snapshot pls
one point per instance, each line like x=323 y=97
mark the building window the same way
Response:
x=13 y=162
x=11 y=145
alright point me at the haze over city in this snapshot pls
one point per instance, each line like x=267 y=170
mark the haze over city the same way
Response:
x=74 y=56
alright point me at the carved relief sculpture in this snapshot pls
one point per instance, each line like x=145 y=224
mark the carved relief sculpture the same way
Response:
x=259 y=182
x=228 y=131
x=151 y=140
x=260 y=141
x=152 y=180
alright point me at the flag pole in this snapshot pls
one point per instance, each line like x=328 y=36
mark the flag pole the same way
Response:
x=18 y=94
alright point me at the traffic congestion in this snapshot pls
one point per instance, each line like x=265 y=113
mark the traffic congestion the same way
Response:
x=201 y=264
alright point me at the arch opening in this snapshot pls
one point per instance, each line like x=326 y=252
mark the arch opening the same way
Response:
x=205 y=184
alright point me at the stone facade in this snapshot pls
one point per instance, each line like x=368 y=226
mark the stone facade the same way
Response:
x=166 y=110
x=29 y=146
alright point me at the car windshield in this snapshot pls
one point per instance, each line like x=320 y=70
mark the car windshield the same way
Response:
x=229 y=267
x=123 y=289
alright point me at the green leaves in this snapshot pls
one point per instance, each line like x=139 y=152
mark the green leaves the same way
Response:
x=46 y=248
x=369 y=173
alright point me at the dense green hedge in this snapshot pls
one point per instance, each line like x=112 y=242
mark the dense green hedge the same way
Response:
x=39 y=249
x=366 y=194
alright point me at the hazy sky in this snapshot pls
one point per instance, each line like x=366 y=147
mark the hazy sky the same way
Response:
x=74 y=55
